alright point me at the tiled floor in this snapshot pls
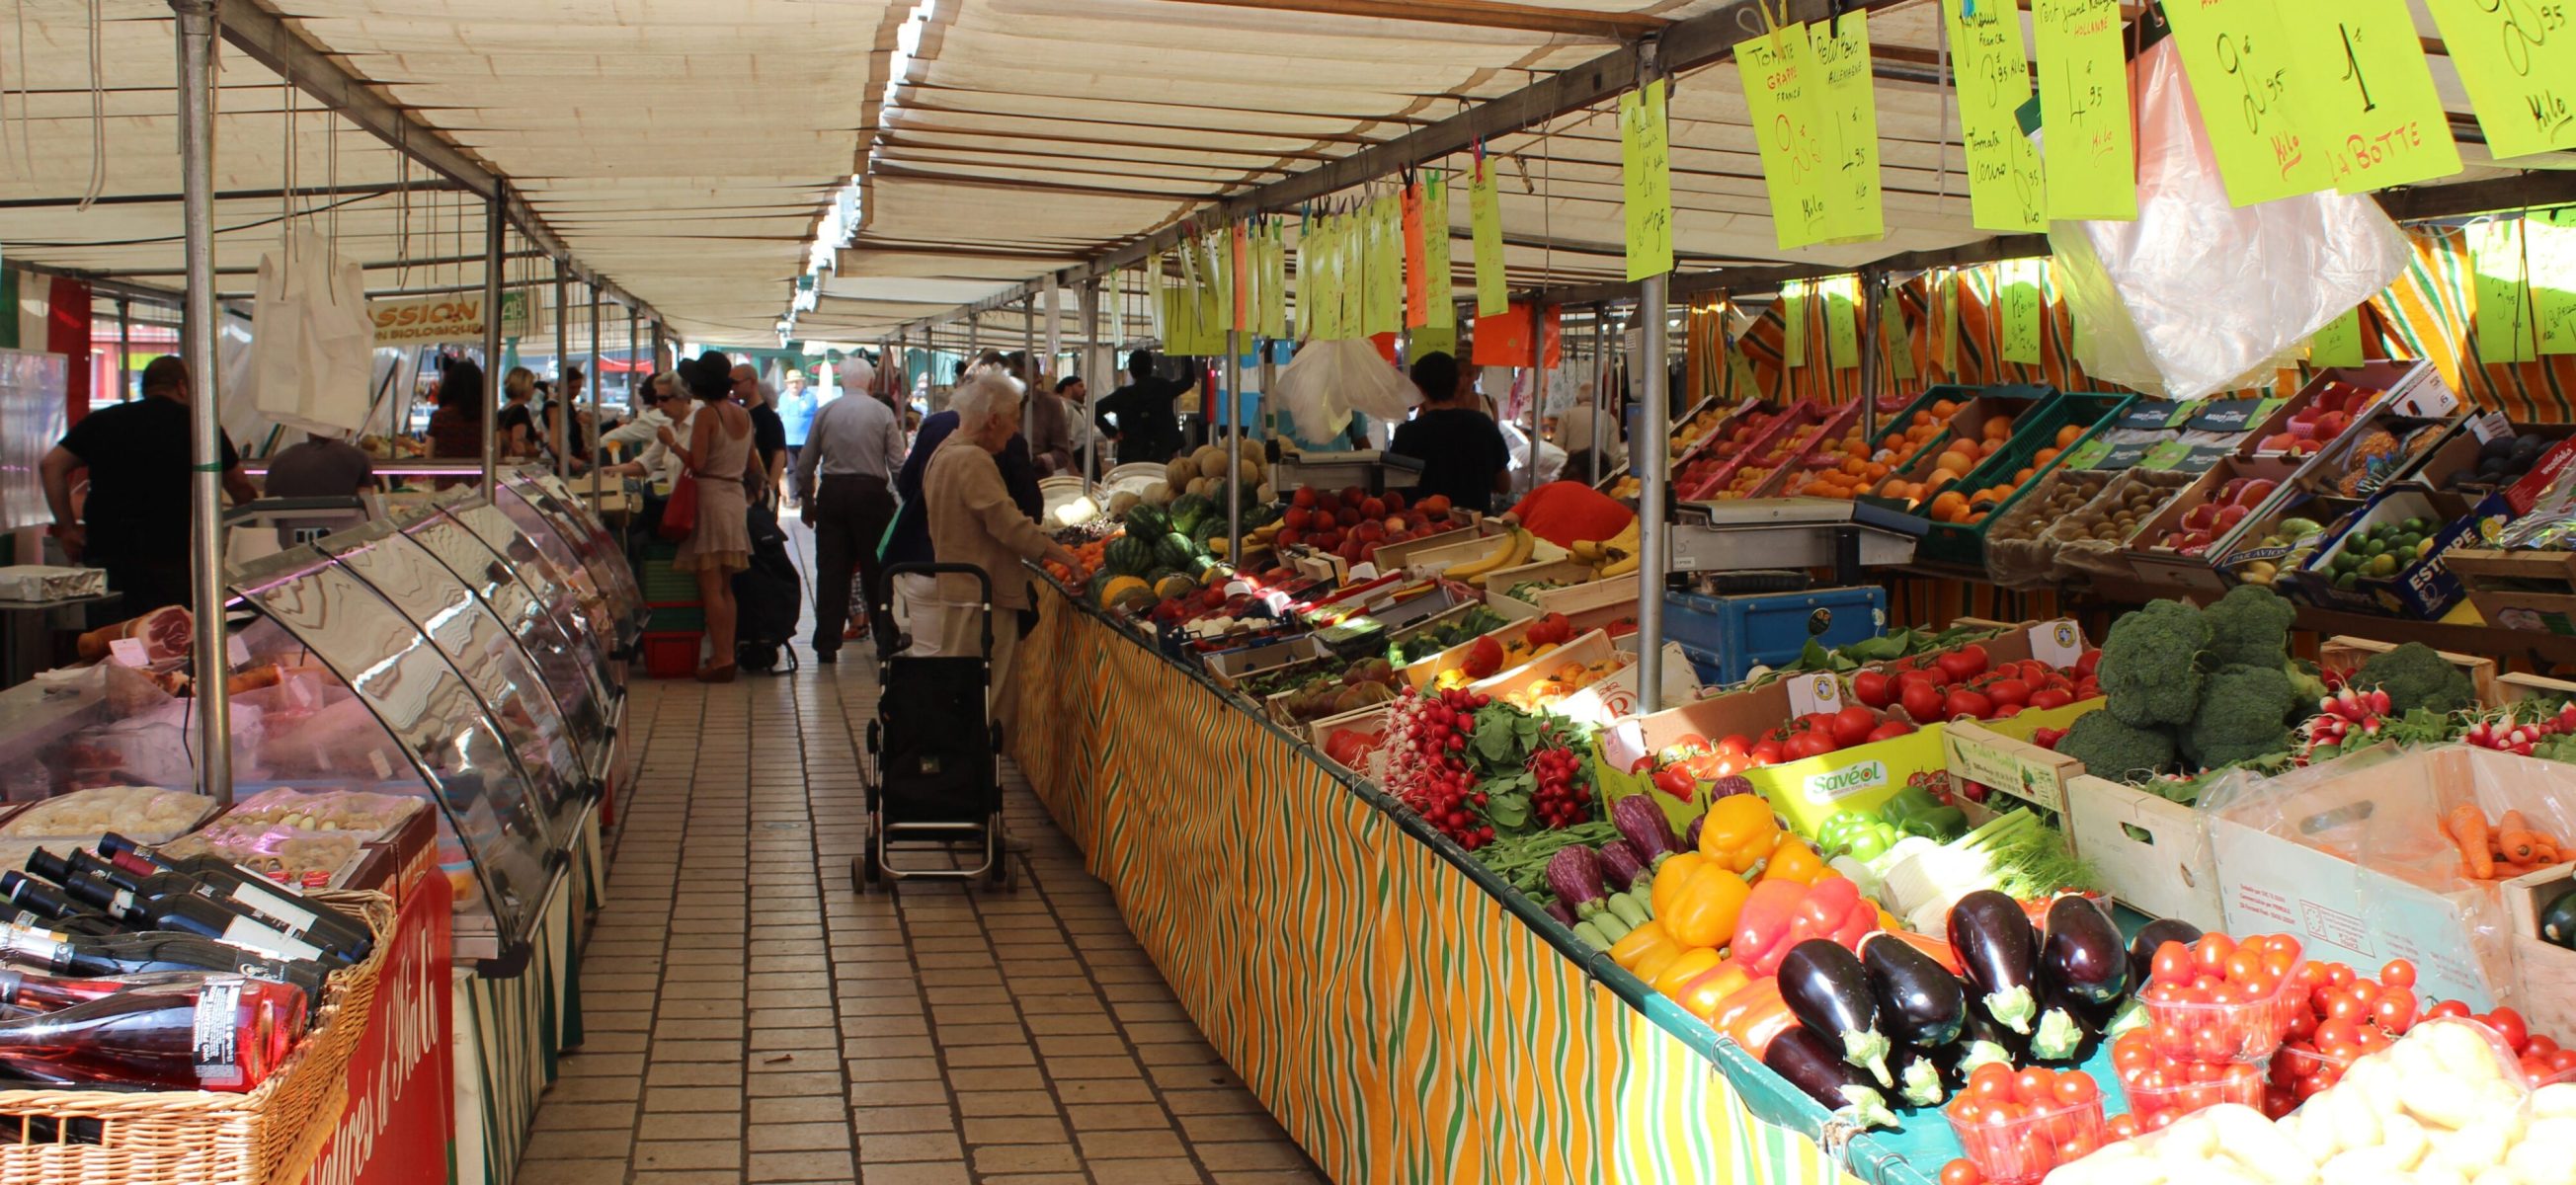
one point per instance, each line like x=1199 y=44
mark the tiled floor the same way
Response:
x=795 y=1031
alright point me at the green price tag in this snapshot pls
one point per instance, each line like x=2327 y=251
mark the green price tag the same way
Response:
x=2022 y=310
x=2165 y=455
x=2371 y=103
x=1443 y=313
x=2339 y=343
x=2518 y=60
x=1894 y=341
x=2551 y=240
x=1993 y=73
x=1386 y=266
x=1645 y=175
x=2505 y=324
x=1493 y=287
x=1842 y=321
x=2083 y=456
x=2091 y=156
x=1855 y=209
x=1793 y=323
x=1782 y=88
x=2243 y=68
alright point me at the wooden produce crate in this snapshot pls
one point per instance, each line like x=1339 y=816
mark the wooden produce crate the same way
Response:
x=2519 y=589
x=2147 y=850
x=2546 y=972
x=2344 y=652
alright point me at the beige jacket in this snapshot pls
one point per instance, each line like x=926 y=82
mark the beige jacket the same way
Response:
x=973 y=521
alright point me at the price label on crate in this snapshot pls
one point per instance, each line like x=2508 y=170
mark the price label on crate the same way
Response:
x=2089 y=454
x=2201 y=457
x=2122 y=456
x=2058 y=643
x=1819 y=692
x=2490 y=426
x=2000 y=763
x=2165 y=455
x=2157 y=413
x=2227 y=415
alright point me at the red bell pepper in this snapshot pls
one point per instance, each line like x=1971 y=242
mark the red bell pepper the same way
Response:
x=1754 y=1015
x=1781 y=914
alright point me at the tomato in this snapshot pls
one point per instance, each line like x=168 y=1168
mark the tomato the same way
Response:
x=2008 y=692
x=1806 y=745
x=2338 y=975
x=2347 y=1006
x=2121 y=1127
x=2364 y=990
x=1993 y=1080
x=1642 y=766
x=1736 y=743
x=2395 y=1010
x=1764 y=753
x=2562 y=1061
x=1689 y=744
x=2034 y=1085
x=2087 y=663
x=1852 y=725
x=2209 y=955
x=2003 y=1114
x=2050 y=697
x=2539 y=1047
x=2398 y=973
x=1961 y=702
x=1872 y=688
x=1960 y=664
x=2446 y=1008
x=2076 y=1088
x=1968 y=1110
x=1676 y=781
x=1889 y=731
x=2130 y=1053
x=2245 y=964
x=2508 y=1024
x=1961 y=1172
x=1921 y=701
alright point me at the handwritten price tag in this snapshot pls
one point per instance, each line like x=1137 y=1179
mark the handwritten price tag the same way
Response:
x=1793 y=323
x=2242 y=68
x=2507 y=330
x=2552 y=239
x=1782 y=92
x=1842 y=321
x=1493 y=290
x=2022 y=311
x=1855 y=211
x=2091 y=155
x=2518 y=60
x=2005 y=191
x=2372 y=106
x=1443 y=313
x=2339 y=343
x=1645 y=174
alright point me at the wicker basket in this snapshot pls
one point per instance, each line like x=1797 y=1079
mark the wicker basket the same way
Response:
x=266 y=1137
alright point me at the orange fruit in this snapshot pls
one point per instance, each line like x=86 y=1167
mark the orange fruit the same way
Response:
x=1998 y=428
x=1942 y=407
x=1942 y=475
x=1955 y=462
x=2067 y=434
x=2043 y=456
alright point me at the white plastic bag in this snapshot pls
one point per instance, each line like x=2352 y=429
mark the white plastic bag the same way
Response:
x=1328 y=380
x=313 y=342
x=2198 y=293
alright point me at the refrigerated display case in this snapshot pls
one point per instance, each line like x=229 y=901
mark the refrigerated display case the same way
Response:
x=536 y=490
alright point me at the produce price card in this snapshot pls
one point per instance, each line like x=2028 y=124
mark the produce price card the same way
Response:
x=2027 y=772
x=2091 y=160
x=2518 y=60
x=1645 y=171
x=1782 y=93
x=1848 y=100
x=2004 y=187
x=2371 y=103
x=2243 y=68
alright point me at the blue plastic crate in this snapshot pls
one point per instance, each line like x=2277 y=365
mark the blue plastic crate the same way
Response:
x=1724 y=637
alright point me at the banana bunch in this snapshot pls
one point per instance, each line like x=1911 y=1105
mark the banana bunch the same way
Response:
x=1510 y=551
x=1614 y=556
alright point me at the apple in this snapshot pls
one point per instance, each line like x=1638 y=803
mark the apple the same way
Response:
x=2200 y=518
x=2230 y=515
x=2279 y=442
x=2253 y=491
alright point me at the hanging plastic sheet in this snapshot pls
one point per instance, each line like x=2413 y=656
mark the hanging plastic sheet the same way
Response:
x=1328 y=380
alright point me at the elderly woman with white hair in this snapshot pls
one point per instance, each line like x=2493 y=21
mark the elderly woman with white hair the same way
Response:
x=974 y=521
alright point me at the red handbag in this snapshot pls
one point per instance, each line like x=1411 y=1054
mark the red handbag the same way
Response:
x=680 y=512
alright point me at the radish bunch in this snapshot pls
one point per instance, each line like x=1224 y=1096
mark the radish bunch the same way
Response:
x=2345 y=713
x=2510 y=736
x=1424 y=762
x=1559 y=798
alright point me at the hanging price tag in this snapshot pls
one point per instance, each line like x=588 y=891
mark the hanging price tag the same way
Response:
x=2339 y=343
x=1782 y=95
x=2505 y=326
x=2517 y=58
x=1894 y=341
x=1443 y=310
x=2242 y=67
x=2022 y=311
x=1847 y=102
x=2372 y=108
x=2550 y=240
x=2090 y=154
x=1793 y=323
x=1842 y=321
x=2005 y=191
x=1645 y=174
x=1493 y=288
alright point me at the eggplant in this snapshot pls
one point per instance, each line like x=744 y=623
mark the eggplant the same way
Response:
x=1643 y=825
x=1574 y=875
x=2082 y=955
x=1919 y=1001
x=1920 y=1079
x=1981 y=1041
x=1690 y=837
x=1620 y=866
x=1809 y=1063
x=2142 y=949
x=1826 y=988
x=1557 y=910
x=2070 y=1027
x=2000 y=954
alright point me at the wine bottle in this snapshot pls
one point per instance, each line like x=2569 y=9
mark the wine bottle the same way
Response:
x=58 y=953
x=224 y=1033
x=135 y=875
x=220 y=880
x=173 y=910
x=45 y=907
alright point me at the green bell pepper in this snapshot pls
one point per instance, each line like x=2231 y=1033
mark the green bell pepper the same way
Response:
x=1859 y=836
x=1915 y=812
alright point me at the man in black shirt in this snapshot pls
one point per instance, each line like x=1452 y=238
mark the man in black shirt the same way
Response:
x=1139 y=415
x=1463 y=454
x=135 y=523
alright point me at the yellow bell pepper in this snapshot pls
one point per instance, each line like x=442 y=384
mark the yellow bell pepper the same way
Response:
x=1738 y=832
x=1669 y=879
x=1656 y=961
x=1693 y=963
x=1645 y=940
x=1793 y=860
x=1705 y=905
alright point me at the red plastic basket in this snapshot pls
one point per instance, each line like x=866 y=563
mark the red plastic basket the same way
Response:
x=671 y=654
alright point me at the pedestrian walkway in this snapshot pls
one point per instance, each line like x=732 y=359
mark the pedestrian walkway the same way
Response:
x=752 y=1019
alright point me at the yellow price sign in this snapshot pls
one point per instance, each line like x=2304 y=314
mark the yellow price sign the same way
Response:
x=2244 y=70
x=2518 y=60
x=1645 y=174
x=2506 y=325
x=1793 y=323
x=2372 y=106
x=1443 y=313
x=1855 y=206
x=2090 y=153
x=2551 y=237
x=1842 y=321
x=2339 y=343
x=2005 y=190
x=1782 y=85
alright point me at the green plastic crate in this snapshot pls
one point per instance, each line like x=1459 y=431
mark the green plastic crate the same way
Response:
x=664 y=584
x=689 y=618
x=2037 y=429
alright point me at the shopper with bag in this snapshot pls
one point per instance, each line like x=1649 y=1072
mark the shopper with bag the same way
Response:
x=974 y=521
x=717 y=460
x=846 y=471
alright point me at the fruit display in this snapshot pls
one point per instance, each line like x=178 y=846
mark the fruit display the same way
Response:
x=1962 y=683
x=2500 y=461
x=2211 y=520
x=1352 y=523
x=1686 y=436
x=1758 y=469
x=1611 y=557
x=2308 y=428
x=1202 y=473
x=1559 y=685
x=2380 y=551
x=2283 y=544
x=1362 y=684
x=1479 y=770
x=1850 y=464
x=1488 y=655
x=1699 y=471
x=1973 y=506
x=1926 y=478
x=1510 y=549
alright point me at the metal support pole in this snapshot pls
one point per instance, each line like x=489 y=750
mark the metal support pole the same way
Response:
x=124 y=350
x=1088 y=306
x=633 y=329
x=205 y=478
x=1600 y=379
x=596 y=370
x=1226 y=414
x=1029 y=371
x=1870 y=295
x=658 y=345
x=495 y=220
x=1538 y=385
x=563 y=368
x=1647 y=460
x=598 y=460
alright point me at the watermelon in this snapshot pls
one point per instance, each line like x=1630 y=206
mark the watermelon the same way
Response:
x=1147 y=522
x=1191 y=510
x=1128 y=555
x=1175 y=551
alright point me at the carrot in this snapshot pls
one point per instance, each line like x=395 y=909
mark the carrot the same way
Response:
x=2468 y=832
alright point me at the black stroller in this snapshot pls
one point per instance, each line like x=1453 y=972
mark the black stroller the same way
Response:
x=935 y=756
x=769 y=598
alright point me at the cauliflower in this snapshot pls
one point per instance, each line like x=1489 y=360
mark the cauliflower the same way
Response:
x=2244 y=713
x=2151 y=664
x=2250 y=626
x=2414 y=676
x=2120 y=752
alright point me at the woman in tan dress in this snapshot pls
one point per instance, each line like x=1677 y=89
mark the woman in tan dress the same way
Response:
x=718 y=454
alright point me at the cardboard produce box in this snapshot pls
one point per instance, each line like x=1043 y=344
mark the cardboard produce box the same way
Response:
x=2424 y=588
x=2147 y=850
x=2164 y=567
x=1859 y=778
x=2346 y=653
x=2349 y=858
x=2544 y=972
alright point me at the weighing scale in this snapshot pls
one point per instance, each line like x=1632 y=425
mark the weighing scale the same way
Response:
x=1741 y=534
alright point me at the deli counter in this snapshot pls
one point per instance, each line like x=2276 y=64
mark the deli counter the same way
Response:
x=463 y=652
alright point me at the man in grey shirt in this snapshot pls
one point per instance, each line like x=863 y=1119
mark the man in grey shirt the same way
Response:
x=848 y=465
x=318 y=467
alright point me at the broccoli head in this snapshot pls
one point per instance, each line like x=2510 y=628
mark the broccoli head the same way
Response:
x=2120 y=752
x=2414 y=676
x=2151 y=664
x=2244 y=714
x=2250 y=626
